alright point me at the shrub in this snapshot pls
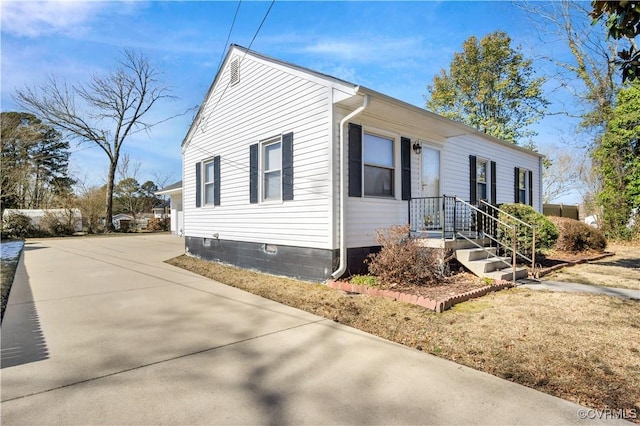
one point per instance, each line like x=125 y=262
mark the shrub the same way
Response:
x=546 y=231
x=57 y=224
x=18 y=225
x=402 y=261
x=575 y=236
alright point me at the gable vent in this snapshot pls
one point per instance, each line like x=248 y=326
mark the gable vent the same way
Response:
x=234 y=71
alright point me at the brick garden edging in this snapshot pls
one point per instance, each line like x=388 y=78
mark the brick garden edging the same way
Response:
x=434 y=305
x=550 y=269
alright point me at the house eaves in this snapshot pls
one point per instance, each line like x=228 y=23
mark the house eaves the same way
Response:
x=447 y=128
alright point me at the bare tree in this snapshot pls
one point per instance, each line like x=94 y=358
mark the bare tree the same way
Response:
x=128 y=168
x=562 y=175
x=113 y=108
x=588 y=75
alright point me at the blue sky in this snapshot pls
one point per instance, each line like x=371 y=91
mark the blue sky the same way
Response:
x=392 y=47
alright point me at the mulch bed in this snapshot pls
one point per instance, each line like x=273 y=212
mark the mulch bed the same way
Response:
x=455 y=289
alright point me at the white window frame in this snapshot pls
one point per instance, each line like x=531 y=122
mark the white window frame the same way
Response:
x=205 y=183
x=523 y=185
x=263 y=170
x=487 y=178
x=394 y=144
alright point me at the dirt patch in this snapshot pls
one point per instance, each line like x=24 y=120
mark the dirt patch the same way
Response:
x=575 y=346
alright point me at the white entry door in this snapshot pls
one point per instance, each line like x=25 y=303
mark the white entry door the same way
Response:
x=430 y=189
x=430 y=178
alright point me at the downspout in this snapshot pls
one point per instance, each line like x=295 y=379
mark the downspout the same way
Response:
x=342 y=266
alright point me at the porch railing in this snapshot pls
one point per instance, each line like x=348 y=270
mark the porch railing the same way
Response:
x=451 y=218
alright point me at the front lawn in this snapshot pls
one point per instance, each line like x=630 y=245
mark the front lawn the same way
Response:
x=582 y=348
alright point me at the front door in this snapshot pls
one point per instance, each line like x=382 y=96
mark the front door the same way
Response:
x=430 y=187
x=430 y=172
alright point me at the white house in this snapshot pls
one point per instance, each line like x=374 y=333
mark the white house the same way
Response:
x=291 y=171
x=71 y=216
x=174 y=191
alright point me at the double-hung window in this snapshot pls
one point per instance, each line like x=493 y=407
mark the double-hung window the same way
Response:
x=523 y=185
x=378 y=165
x=481 y=179
x=209 y=182
x=272 y=170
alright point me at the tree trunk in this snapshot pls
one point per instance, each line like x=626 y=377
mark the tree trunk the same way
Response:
x=108 y=226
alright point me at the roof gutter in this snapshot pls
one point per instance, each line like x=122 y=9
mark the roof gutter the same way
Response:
x=342 y=266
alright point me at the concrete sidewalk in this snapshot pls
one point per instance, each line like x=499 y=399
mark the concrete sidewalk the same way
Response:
x=101 y=331
x=623 y=293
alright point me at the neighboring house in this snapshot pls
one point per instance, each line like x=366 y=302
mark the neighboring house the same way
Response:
x=124 y=218
x=174 y=191
x=163 y=210
x=290 y=171
x=71 y=216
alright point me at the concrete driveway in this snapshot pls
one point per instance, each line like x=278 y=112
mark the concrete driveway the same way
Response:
x=101 y=331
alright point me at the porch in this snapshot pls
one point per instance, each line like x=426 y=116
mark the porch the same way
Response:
x=448 y=222
x=476 y=232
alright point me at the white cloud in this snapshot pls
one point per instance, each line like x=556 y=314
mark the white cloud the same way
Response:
x=33 y=19
x=365 y=49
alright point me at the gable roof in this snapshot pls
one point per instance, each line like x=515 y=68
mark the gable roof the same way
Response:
x=358 y=91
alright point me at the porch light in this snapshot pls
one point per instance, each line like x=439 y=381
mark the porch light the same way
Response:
x=417 y=147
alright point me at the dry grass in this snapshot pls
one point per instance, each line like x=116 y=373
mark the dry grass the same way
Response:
x=582 y=348
x=621 y=270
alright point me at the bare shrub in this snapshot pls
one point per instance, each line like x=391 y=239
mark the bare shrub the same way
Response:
x=157 y=224
x=401 y=261
x=575 y=236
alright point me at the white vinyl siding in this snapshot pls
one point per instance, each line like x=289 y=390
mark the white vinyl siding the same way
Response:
x=455 y=167
x=269 y=100
x=365 y=215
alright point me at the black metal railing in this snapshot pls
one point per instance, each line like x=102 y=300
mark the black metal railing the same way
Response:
x=450 y=217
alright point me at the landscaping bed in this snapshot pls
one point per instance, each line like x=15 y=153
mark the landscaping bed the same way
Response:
x=438 y=298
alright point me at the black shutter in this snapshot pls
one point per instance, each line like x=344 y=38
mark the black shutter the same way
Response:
x=287 y=167
x=198 y=185
x=494 y=189
x=216 y=180
x=516 y=185
x=530 y=188
x=473 y=180
x=253 y=173
x=405 y=160
x=355 y=160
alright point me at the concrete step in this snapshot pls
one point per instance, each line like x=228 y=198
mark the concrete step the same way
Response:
x=483 y=266
x=507 y=274
x=468 y=255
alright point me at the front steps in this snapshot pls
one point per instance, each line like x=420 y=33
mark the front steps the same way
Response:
x=484 y=262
